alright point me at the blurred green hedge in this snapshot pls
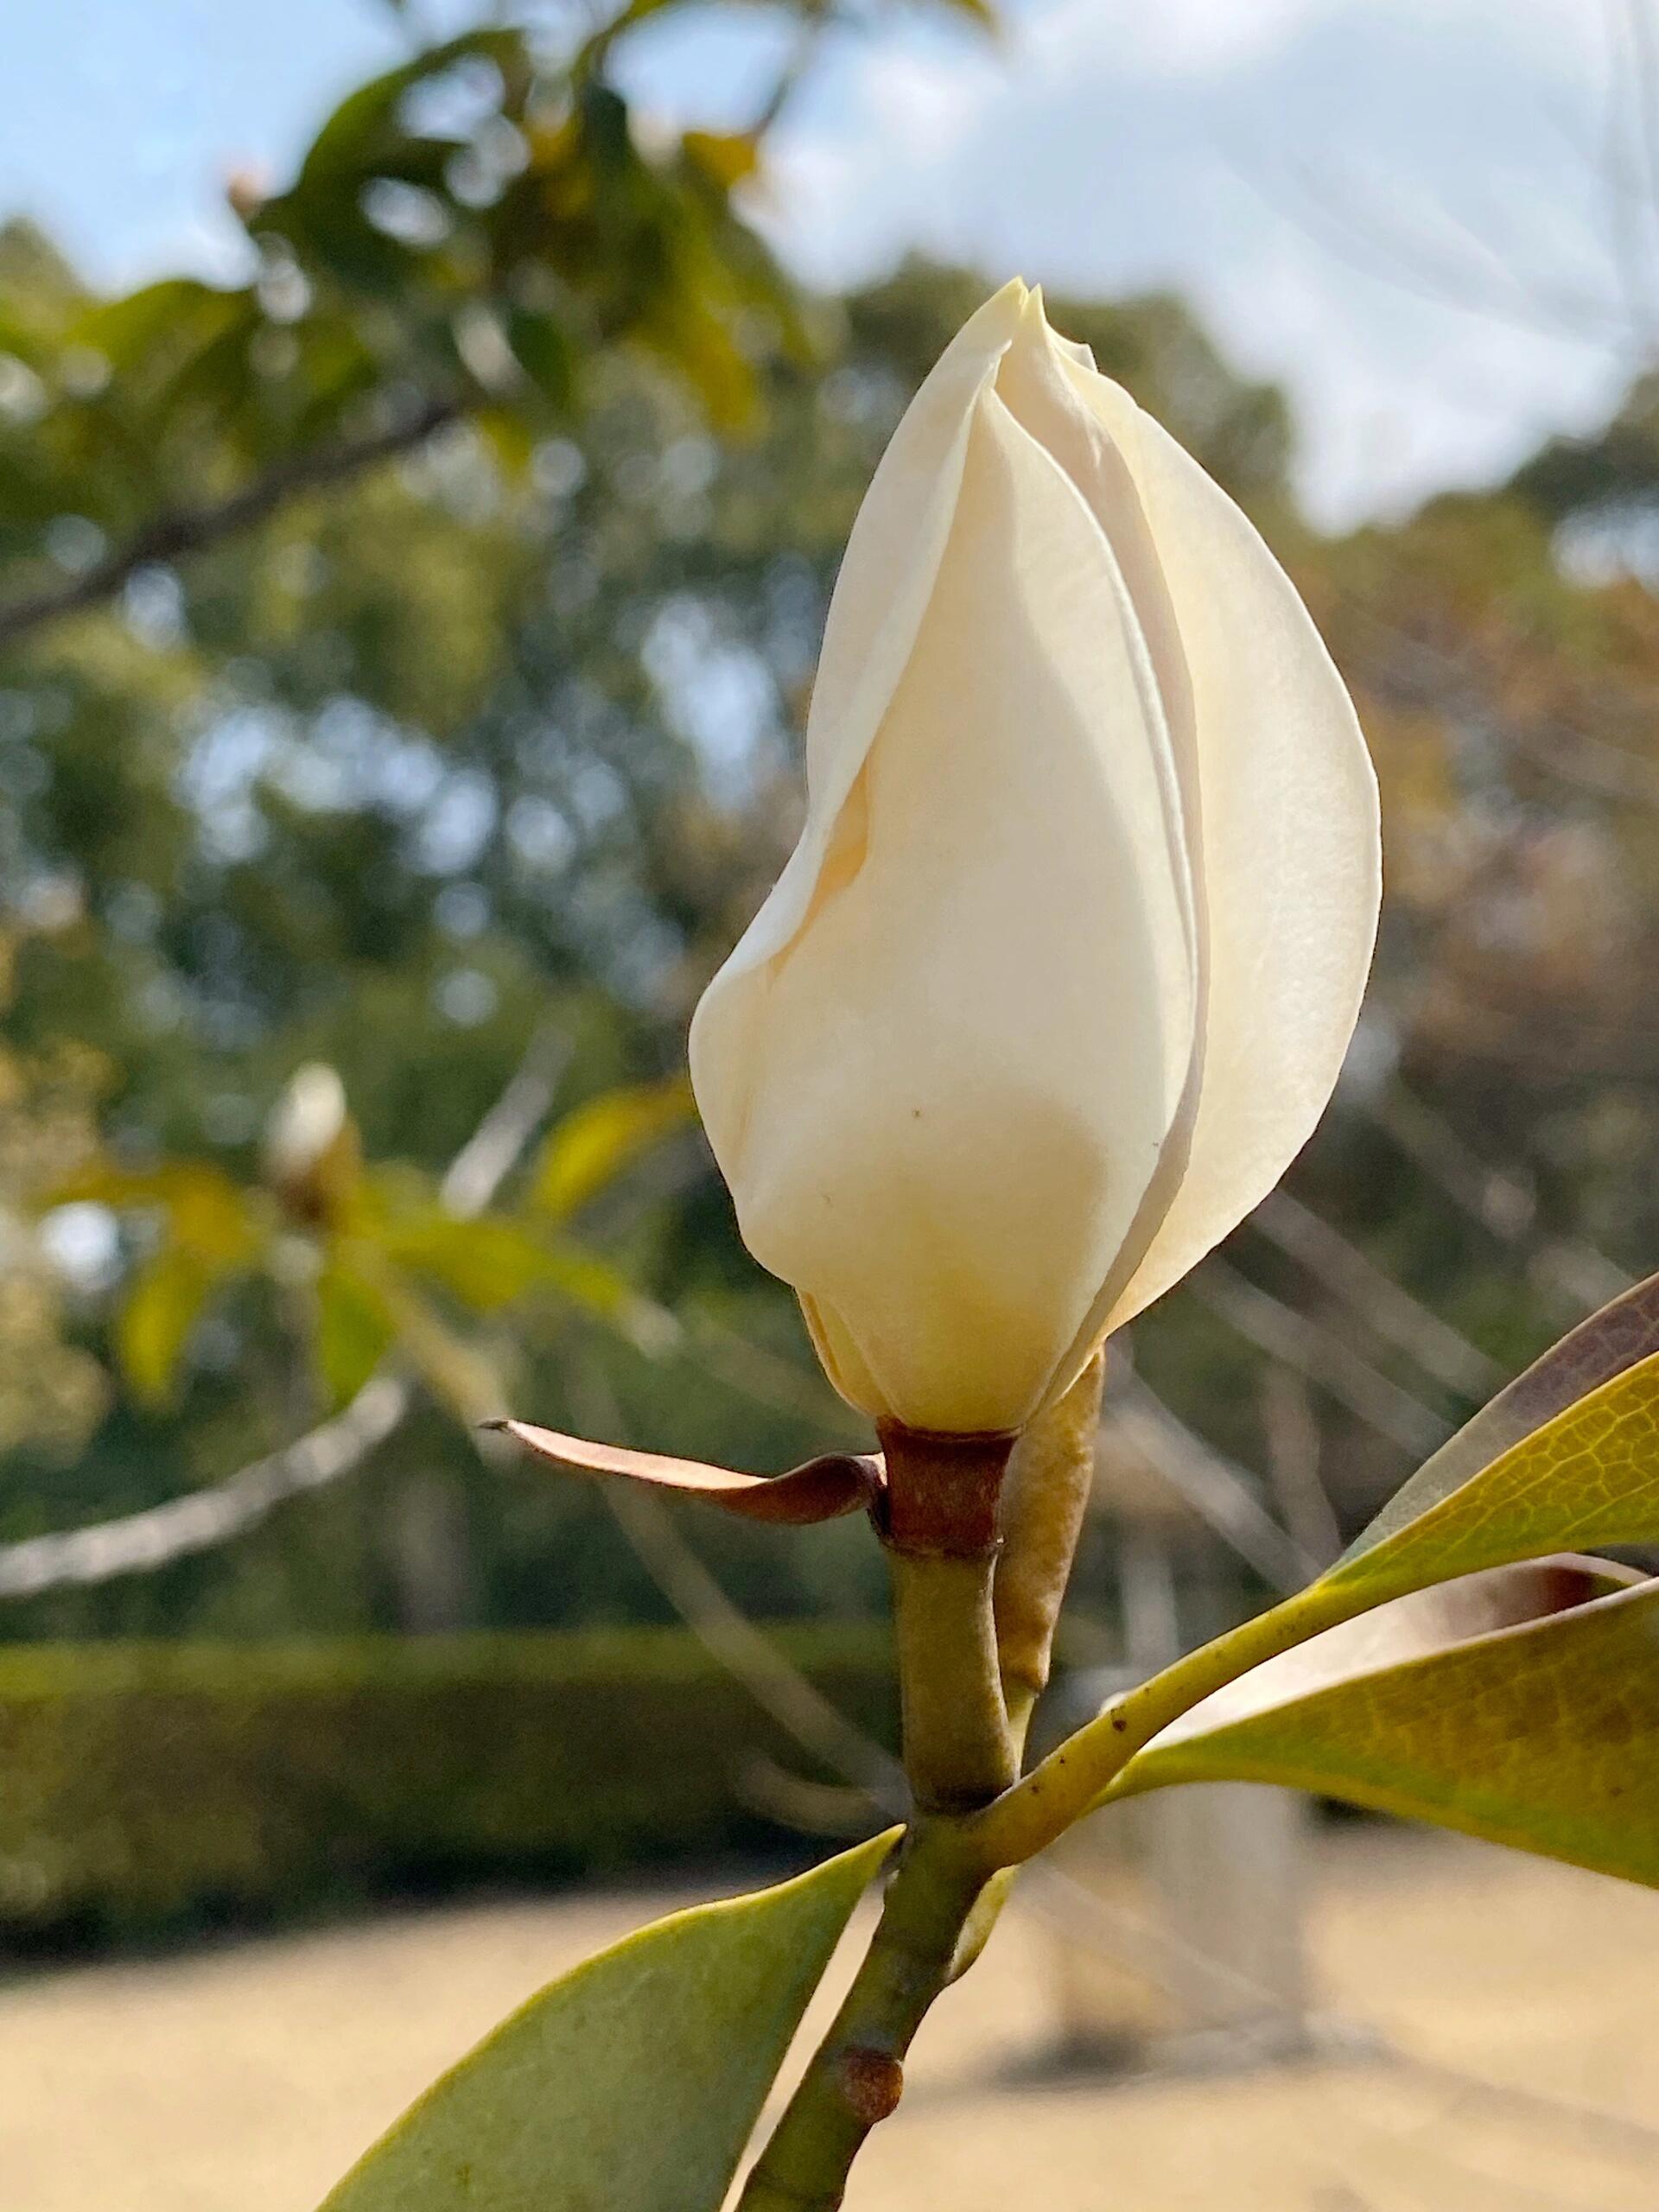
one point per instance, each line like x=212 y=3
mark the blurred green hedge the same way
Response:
x=150 y=1786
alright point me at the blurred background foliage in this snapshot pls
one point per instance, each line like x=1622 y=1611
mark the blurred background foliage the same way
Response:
x=402 y=664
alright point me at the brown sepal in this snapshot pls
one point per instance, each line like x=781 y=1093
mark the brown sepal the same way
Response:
x=942 y=1491
x=819 y=1490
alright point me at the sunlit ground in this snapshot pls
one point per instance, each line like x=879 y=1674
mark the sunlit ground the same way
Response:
x=1499 y=2012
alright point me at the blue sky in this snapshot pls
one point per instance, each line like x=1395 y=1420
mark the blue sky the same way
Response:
x=1405 y=208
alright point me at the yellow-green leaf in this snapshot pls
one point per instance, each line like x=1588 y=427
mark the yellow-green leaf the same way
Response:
x=1586 y=1478
x=604 y=1135
x=631 y=2084
x=1610 y=1342
x=1481 y=1706
x=727 y=157
x=485 y=1263
x=355 y=1329
x=156 y=1317
x=205 y=1209
x=488 y=1263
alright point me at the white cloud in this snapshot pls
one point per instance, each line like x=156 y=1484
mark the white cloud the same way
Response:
x=1362 y=196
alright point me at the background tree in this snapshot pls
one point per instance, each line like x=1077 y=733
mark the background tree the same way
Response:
x=409 y=650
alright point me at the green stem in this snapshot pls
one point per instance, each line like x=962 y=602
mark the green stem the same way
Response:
x=1071 y=1780
x=958 y=1751
x=940 y=1533
x=857 y=2073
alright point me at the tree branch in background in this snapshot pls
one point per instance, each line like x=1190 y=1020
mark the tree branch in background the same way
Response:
x=1342 y=1268
x=1219 y=1493
x=209 y=1517
x=183 y=530
x=1284 y=1334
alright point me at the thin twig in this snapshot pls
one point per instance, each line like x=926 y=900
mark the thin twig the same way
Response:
x=209 y=1517
x=1219 y=1493
x=1280 y=1332
x=1341 y=1268
x=1290 y=1429
x=185 y=529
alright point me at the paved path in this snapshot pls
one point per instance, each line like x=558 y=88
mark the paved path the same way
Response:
x=245 y=2078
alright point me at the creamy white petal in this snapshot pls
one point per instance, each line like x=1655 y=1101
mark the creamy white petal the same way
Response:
x=1290 y=857
x=1038 y=378
x=956 y=1082
x=881 y=593
x=896 y=541
x=1062 y=971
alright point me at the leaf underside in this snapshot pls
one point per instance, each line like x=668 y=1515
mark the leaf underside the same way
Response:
x=632 y=2083
x=1530 y=1724
x=1612 y=1341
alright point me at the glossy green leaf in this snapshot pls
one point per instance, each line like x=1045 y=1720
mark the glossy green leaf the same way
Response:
x=594 y=1143
x=1587 y=1477
x=541 y=346
x=364 y=128
x=631 y=2084
x=1520 y=1705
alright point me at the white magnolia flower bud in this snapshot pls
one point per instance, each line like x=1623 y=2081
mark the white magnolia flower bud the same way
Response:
x=306 y=1120
x=312 y=1154
x=1061 y=973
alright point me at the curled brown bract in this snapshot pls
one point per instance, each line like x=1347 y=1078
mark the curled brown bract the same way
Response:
x=819 y=1490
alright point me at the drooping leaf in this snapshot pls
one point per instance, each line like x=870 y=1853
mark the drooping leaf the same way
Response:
x=819 y=1490
x=631 y=2084
x=355 y=1330
x=488 y=1263
x=157 y=1315
x=606 y=1134
x=1612 y=1340
x=1520 y=1705
x=205 y=1210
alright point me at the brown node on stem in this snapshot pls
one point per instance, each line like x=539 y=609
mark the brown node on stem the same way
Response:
x=872 y=2082
x=942 y=1491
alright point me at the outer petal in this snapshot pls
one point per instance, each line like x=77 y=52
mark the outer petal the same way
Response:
x=1290 y=858
x=957 y=1068
x=882 y=594
x=1038 y=379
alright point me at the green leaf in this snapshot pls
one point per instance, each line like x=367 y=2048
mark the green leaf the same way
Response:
x=1586 y=1478
x=364 y=130
x=1520 y=1705
x=594 y=1144
x=632 y=2083
x=488 y=1263
x=355 y=1329
x=1610 y=1342
x=205 y=1210
x=160 y=1310
x=541 y=346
